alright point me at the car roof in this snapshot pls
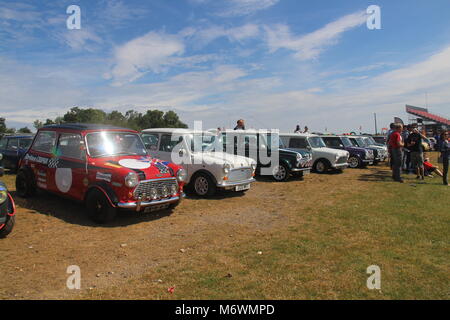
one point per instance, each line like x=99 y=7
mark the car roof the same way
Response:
x=168 y=130
x=19 y=136
x=304 y=135
x=84 y=126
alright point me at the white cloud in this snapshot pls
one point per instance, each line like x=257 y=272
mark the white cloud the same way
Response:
x=311 y=45
x=203 y=36
x=151 y=52
x=245 y=7
x=82 y=39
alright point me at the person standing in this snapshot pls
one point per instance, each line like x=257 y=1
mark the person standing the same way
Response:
x=396 y=145
x=414 y=144
x=240 y=125
x=445 y=155
x=297 y=129
x=306 y=130
x=406 y=152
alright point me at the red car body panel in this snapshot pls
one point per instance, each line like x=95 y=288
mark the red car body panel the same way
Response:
x=73 y=178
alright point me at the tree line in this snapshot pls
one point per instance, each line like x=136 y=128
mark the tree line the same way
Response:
x=130 y=119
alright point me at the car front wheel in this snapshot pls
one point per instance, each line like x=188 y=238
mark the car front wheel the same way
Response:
x=321 y=166
x=354 y=162
x=25 y=184
x=281 y=172
x=8 y=226
x=203 y=185
x=99 y=208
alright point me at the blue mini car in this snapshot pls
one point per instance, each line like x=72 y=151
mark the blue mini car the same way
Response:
x=13 y=148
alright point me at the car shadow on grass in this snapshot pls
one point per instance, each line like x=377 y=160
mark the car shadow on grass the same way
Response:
x=376 y=175
x=76 y=213
x=219 y=195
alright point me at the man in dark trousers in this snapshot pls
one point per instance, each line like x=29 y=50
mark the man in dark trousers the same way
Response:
x=414 y=144
x=396 y=145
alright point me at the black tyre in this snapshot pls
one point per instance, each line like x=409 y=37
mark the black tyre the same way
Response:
x=281 y=173
x=7 y=228
x=203 y=185
x=354 y=162
x=25 y=185
x=321 y=166
x=99 y=208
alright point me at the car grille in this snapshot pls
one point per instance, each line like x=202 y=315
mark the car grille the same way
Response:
x=163 y=188
x=342 y=160
x=240 y=174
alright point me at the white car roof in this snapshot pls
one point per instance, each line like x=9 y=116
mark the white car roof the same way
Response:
x=169 y=130
x=298 y=135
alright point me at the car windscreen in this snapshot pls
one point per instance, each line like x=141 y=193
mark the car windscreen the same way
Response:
x=362 y=142
x=110 y=143
x=316 y=142
x=346 y=142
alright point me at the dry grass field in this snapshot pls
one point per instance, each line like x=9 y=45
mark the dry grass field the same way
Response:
x=311 y=239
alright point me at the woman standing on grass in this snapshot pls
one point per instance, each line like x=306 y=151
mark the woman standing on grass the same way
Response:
x=445 y=154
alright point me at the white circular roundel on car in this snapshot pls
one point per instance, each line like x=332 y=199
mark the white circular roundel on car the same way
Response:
x=134 y=164
x=63 y=179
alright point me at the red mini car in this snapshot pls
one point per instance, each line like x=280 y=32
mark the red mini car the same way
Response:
x=106 y=167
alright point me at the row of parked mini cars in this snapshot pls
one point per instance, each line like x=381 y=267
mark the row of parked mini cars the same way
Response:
x=111 y=168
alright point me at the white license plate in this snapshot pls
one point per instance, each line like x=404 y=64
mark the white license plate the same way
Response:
x=243 y=187
x=306 y=172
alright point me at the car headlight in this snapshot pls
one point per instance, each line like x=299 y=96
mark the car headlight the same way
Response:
x=181 y=175
x=131 y=180
x=299 y=157
x=1 y=156
x=226 y=168
x=3 y=194
x=254 y=167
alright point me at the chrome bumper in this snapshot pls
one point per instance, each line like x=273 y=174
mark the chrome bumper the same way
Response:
x=226 y=184
x=138 y=205
x=301 y=169
x=340 y=165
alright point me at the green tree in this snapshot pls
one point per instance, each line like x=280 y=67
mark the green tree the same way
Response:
x=24 y=130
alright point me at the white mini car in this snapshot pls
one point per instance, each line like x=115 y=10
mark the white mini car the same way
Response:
x=323 y=158
x=208 y=167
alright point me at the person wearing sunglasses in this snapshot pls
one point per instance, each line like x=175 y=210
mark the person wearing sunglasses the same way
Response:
x=445 y=155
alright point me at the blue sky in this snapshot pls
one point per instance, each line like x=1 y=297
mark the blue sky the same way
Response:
x=275 y=63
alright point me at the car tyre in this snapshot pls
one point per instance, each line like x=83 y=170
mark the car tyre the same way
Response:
x=354 y=162
x=321 y=166
x=281 y=173
x=7 y=228
x=25 y=185
x=99 y=208
x=203 y=185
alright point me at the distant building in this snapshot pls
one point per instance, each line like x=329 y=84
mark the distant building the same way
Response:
x=429 y=122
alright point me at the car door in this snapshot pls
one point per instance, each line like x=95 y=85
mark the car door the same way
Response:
x=70 y=172
x=11 y=153
x=43 y=161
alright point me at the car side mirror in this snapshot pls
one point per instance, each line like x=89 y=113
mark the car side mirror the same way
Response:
x=341 y=146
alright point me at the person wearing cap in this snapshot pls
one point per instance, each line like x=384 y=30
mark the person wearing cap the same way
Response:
x=240 y=125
